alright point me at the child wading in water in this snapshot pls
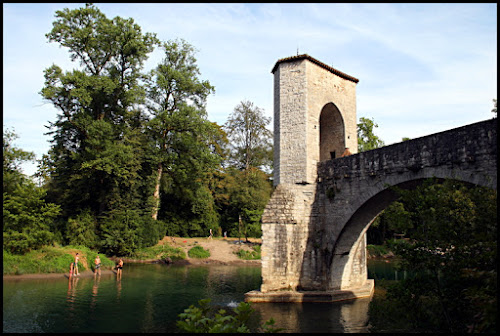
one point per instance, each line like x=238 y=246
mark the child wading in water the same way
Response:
x=73 y=268
x=119 y=268
x=97 y=263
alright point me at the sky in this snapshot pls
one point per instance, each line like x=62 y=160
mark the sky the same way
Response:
x=422 y=68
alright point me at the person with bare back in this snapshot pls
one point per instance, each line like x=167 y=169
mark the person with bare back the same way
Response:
x=119 y=268
x=74 y=269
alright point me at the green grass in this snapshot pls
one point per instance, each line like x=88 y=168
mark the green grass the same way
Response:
x=377 y=250
x=198 y=252
x=159 y=252
x=51 y=259
x=249 y=255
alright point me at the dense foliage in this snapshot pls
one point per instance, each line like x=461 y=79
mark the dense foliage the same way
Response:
x=204 y=319
x=133 y=156
x=450 y=245
x=28 y=220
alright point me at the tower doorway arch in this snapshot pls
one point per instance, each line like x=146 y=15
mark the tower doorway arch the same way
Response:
x=331 y=133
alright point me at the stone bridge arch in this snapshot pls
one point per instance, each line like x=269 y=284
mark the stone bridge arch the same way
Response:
x=314 y=242
x=364 y=181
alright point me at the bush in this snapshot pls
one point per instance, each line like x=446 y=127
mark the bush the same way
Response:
x=377 y=250
x=198 y=252
x=249 y=255
x=159 y=252
x=203 y=320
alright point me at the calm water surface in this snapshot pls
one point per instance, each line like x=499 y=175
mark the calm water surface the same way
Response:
x=148 y=298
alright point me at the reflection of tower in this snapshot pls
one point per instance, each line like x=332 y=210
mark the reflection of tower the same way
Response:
x=286 y=316
x=339 y=317
x=354 y=315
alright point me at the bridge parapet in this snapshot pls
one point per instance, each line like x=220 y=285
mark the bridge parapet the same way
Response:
x=468 y=153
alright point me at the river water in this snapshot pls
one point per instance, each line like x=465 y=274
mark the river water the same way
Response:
x=149 y=297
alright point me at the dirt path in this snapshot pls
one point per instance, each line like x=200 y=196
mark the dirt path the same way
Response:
x=222 y=250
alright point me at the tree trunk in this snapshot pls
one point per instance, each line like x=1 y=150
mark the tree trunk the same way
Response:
x=156 y=194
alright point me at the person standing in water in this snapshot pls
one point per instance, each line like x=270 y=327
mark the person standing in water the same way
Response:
x=97 y=263
x=119 y=268
x=75 y=265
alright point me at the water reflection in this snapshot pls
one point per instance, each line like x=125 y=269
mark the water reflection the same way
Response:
x=118 y=288
x=337 y=317
x=72 y=289
x=95 y=289
x=150 y=297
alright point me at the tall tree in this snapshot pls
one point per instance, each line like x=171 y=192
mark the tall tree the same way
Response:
x=250 y=140
x=179 y=127
x=241 y=196
x=98 y=144
x=367 y=140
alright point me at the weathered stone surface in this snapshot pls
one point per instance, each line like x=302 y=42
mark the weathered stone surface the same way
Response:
x=312 y=296
x=315 y=222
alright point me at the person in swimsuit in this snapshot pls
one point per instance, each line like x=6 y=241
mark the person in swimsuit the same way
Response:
x=75 y=265
x=97 y=263
x=119 y=267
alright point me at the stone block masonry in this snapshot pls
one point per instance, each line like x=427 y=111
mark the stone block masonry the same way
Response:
x=314 y=241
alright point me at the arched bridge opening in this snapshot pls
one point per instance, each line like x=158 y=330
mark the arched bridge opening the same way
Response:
x=313 y=234
x=314 y=224
x=349 y=245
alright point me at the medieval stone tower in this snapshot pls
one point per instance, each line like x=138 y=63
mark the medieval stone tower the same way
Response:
x=314 y=226
x=315 y=120
x=314 y=117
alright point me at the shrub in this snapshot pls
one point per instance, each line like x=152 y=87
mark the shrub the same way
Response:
x=377 y=250
x=198 y=252
x=249 y=255
x=159 y=252
x=204 y=320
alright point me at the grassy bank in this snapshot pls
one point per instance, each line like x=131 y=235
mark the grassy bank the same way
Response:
x=379 y=251
x=250 y=255
x=159 y=252
x=51 y=259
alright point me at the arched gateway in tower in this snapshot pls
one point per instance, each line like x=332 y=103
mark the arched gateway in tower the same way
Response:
x=314 y=226
x=314 y=117
x=314 y=121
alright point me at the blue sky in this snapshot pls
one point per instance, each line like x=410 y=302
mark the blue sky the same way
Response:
x=423 y=68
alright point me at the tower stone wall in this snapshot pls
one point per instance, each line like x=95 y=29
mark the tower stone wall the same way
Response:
x=303 y=86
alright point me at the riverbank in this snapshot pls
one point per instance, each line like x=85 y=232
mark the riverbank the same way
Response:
x=222 y=252
x=84 y=274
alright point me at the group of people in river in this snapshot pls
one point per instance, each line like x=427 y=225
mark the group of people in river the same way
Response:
x=73 y=268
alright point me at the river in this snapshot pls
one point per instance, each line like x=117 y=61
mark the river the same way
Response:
x=149 y=297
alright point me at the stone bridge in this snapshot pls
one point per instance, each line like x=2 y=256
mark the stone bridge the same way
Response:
x=314 y=241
